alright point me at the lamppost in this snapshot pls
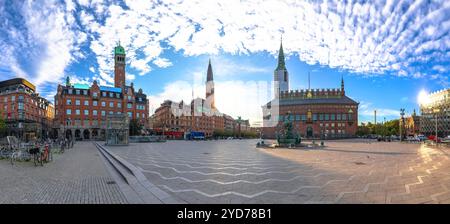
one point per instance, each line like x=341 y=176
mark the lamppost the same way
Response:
x=436 y=111
x=239 y=126
x=402 y=113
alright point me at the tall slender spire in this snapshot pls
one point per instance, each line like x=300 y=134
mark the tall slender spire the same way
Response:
x=281 y=63
x=210 y=86
x=342 y=85
x=209 y=75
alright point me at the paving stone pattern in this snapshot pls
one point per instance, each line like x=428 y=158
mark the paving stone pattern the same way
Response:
x=77 y=176
x=346 y=171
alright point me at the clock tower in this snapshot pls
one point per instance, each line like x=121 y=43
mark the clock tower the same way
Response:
x=119 y=66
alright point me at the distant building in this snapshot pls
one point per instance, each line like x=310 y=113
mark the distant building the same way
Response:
x=436 y=113
x=412 y=124
x=200 y=115
x=81 y=109
x=229 y=123
x=27 y=114
x=167 y=118
x=315 y=113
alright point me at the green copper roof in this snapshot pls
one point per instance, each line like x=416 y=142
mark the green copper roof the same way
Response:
x=80 y=86
x=119 y=50
x=281 y=65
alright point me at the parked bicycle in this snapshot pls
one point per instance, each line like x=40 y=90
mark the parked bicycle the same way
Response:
x=20 y=155
x=40 y=155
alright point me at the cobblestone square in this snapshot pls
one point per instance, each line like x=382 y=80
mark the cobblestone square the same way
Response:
x=235 y=171
x=78 y=176
x=345 y=171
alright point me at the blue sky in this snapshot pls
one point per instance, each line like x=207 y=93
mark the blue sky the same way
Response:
x=387 y=51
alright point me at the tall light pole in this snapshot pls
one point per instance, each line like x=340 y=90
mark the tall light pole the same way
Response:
x=402 y=113
x=239 y=126
x=436 y=111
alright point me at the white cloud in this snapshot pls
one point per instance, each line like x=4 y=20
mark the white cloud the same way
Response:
x=439 y=68
x=361 y=37
x=367 y=112
x=367 y=38
x=162 y=62
x=224 y=67
x=45 y=44
x=130 y=77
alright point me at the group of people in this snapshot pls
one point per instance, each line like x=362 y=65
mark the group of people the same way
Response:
x=66 y=143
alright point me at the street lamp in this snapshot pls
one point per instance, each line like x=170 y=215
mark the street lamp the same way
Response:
x=402 y=113
x=436 y=111
x=239 y=126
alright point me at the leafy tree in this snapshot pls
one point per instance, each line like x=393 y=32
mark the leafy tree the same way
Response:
x=2 y=125
x=385 y=129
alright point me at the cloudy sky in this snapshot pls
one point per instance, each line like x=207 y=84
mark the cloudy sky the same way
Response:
x=387 y=51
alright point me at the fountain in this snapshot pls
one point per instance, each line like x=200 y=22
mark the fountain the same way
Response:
x=288 y=138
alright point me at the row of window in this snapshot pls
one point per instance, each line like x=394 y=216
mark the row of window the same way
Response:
x=95 y=103
x=95 y=94
x=21 y=99
x=103 y=103
x=332 y=125
x=78 y=91
x=103 y=113
x=315 y=117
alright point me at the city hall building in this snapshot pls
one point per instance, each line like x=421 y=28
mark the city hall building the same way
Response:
x=315 y=113
x=27 y=115
x=81 y=109
x=435 y=114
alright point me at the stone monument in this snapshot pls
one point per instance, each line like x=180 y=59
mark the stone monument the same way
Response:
x=117 y=129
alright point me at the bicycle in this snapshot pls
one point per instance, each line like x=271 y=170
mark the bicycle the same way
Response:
x=5 y=153
x=40 y=156
x=19 y=155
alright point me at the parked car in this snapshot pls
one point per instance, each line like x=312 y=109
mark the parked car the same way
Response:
x=446 y=139
x=395 y=137
x=421 y=137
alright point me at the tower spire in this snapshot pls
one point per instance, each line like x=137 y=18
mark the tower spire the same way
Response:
x=210 y=86
x=281 y=62
x=342 y=85
x=209 y=74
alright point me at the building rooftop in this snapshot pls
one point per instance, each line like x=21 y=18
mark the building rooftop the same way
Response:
x=17 y=81
x=119 y=50
x=81 y=86
x=300 y=101
x=110 y=89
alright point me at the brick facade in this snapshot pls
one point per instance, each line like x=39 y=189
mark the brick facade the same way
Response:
x=315 y=113
x=27 y=114
x=81 y=110
x=199 y=115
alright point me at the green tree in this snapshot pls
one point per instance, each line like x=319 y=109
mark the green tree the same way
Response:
x=363 y=129
x=2 y=125
x=135 y=127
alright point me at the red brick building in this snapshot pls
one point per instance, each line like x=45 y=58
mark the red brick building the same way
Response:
x=81 y=109
x=27 y=114
x=199 y=115
x=315 y=113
